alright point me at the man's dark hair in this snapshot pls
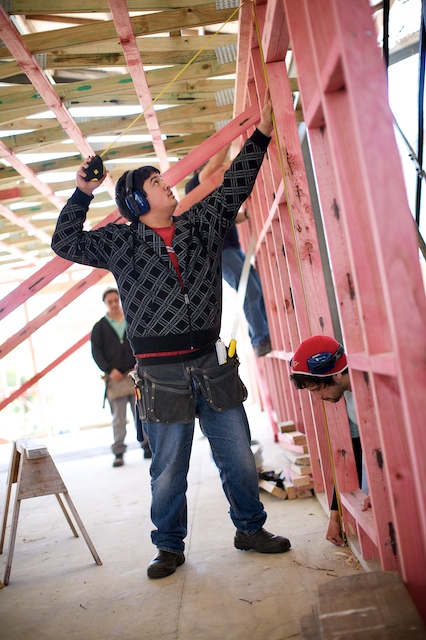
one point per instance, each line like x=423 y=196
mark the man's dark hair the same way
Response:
x=300 y=381
x=139 y=177
x=107 y=291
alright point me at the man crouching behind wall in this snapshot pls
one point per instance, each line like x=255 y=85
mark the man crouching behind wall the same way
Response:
x=320 y=366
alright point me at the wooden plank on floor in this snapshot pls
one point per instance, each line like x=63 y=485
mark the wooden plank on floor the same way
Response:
x=297 y=448
x=297 y=458
x=371 y=606
x=293 y=491
x=299 y=481
x=309 y=627
x=293 y=437
x=286 y=426
x=272 y=488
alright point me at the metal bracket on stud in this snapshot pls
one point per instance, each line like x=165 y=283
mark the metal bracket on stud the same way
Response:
x=227 y=53
x=227 y=4
x=41 y=59
x=225 y=97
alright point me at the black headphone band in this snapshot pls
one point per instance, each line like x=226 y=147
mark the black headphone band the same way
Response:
x=129 y=183
x=340 y=351
x=136 y=201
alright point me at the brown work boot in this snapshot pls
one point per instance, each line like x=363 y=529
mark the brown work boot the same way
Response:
x=164 y=564
x=118 y=462
x=261 y=541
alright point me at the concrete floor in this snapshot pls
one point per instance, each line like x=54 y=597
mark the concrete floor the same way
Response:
x=57 y=591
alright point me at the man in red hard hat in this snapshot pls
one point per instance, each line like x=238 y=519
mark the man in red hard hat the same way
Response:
x=319 y=364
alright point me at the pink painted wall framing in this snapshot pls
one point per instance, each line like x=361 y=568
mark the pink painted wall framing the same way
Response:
x=373 y=253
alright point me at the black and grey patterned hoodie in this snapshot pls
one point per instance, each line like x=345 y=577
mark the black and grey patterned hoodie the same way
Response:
x=160 y=316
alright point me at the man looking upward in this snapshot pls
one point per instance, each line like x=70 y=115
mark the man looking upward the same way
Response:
x=169 y=276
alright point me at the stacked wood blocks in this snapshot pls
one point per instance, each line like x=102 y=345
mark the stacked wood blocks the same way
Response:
x=295 y=461
x=295 y=479
x=271 y=487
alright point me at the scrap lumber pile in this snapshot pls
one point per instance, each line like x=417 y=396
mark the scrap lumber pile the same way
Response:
x=295 y=461
x=295 y=479
x=272 y=483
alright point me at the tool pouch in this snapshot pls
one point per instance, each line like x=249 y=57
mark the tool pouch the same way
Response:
x=164 y=400
x=119 y=389
x=221 y=386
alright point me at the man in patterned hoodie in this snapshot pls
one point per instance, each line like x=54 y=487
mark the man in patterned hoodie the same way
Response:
x=168 y=273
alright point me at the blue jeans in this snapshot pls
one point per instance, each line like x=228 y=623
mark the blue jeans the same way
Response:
x=229 y=437
x=254 y=305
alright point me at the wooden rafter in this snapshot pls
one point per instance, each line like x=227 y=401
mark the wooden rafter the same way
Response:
x=161 y=22
x=30 y=7
x=26 y=60
x=24 y=224
x=17 y=253
x=27 y=173
x=125 y=32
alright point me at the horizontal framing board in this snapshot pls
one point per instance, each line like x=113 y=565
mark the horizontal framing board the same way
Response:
x=105 y=29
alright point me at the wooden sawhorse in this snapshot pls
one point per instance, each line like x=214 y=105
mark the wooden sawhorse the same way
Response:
x=35 y=474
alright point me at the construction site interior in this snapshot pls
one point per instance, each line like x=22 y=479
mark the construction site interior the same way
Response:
x=335 y=229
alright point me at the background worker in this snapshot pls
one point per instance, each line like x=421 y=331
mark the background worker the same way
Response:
x=112 y=353
x=168 y=271
x=319 y=365
x=233 y=262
